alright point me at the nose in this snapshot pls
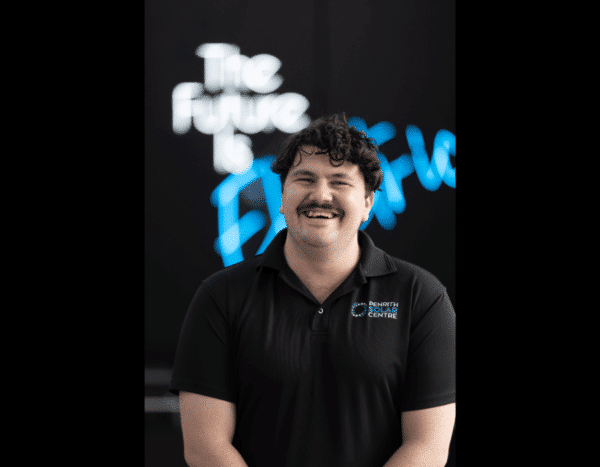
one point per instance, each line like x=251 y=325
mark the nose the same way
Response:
x=321 y=192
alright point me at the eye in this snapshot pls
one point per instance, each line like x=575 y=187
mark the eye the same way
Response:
x=304 y=179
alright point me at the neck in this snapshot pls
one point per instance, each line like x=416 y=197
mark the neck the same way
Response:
x=331 y=260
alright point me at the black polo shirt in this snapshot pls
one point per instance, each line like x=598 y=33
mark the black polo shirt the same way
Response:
x=319 y=384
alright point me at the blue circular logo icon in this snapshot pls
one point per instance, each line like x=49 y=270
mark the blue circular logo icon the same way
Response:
x=364 y=311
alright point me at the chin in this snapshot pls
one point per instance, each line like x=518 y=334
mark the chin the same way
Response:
x=315 y=239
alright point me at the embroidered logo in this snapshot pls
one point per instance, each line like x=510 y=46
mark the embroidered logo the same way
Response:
x=364 y=309
x=375 y=310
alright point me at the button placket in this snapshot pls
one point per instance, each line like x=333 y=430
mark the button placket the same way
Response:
x=319 y=320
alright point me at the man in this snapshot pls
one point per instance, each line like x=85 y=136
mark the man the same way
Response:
x=324 y=350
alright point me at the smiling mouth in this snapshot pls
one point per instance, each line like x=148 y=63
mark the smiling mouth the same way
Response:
x=319 y=214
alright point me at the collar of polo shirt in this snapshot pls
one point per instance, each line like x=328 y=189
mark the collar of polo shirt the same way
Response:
x=373 y=261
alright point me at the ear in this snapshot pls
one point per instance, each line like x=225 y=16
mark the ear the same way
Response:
x=281 y=201
x=369 y=200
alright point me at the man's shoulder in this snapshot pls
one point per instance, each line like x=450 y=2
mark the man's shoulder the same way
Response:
x=381 y=266
x=414 y=274
x=236 y=277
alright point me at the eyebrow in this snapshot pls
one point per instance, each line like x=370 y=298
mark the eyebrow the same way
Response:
x=312 y=174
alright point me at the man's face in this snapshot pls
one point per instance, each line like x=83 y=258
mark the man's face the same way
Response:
x=323 y=204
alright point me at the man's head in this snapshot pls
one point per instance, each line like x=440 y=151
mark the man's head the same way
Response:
x=334 y=137
x=329 y=175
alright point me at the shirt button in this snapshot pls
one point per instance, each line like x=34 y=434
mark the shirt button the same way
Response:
x=321 y=310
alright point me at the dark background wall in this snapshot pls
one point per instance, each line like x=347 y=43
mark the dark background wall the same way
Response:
x=377 y=60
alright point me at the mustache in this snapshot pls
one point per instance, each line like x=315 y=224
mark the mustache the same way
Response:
x=312 y=206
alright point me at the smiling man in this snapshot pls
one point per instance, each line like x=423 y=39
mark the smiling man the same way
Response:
x=323 y=206
x=324 y=350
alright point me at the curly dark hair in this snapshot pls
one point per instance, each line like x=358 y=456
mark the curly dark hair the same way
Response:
x=333 y=136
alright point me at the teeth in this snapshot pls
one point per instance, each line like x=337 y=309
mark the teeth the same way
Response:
x=328 y=215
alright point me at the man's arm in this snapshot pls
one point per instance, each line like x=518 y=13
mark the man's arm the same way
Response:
x=208 y=426
x=426 y=436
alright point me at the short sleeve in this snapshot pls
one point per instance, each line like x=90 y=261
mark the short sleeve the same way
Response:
x=202 y=361
x=431 y=367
